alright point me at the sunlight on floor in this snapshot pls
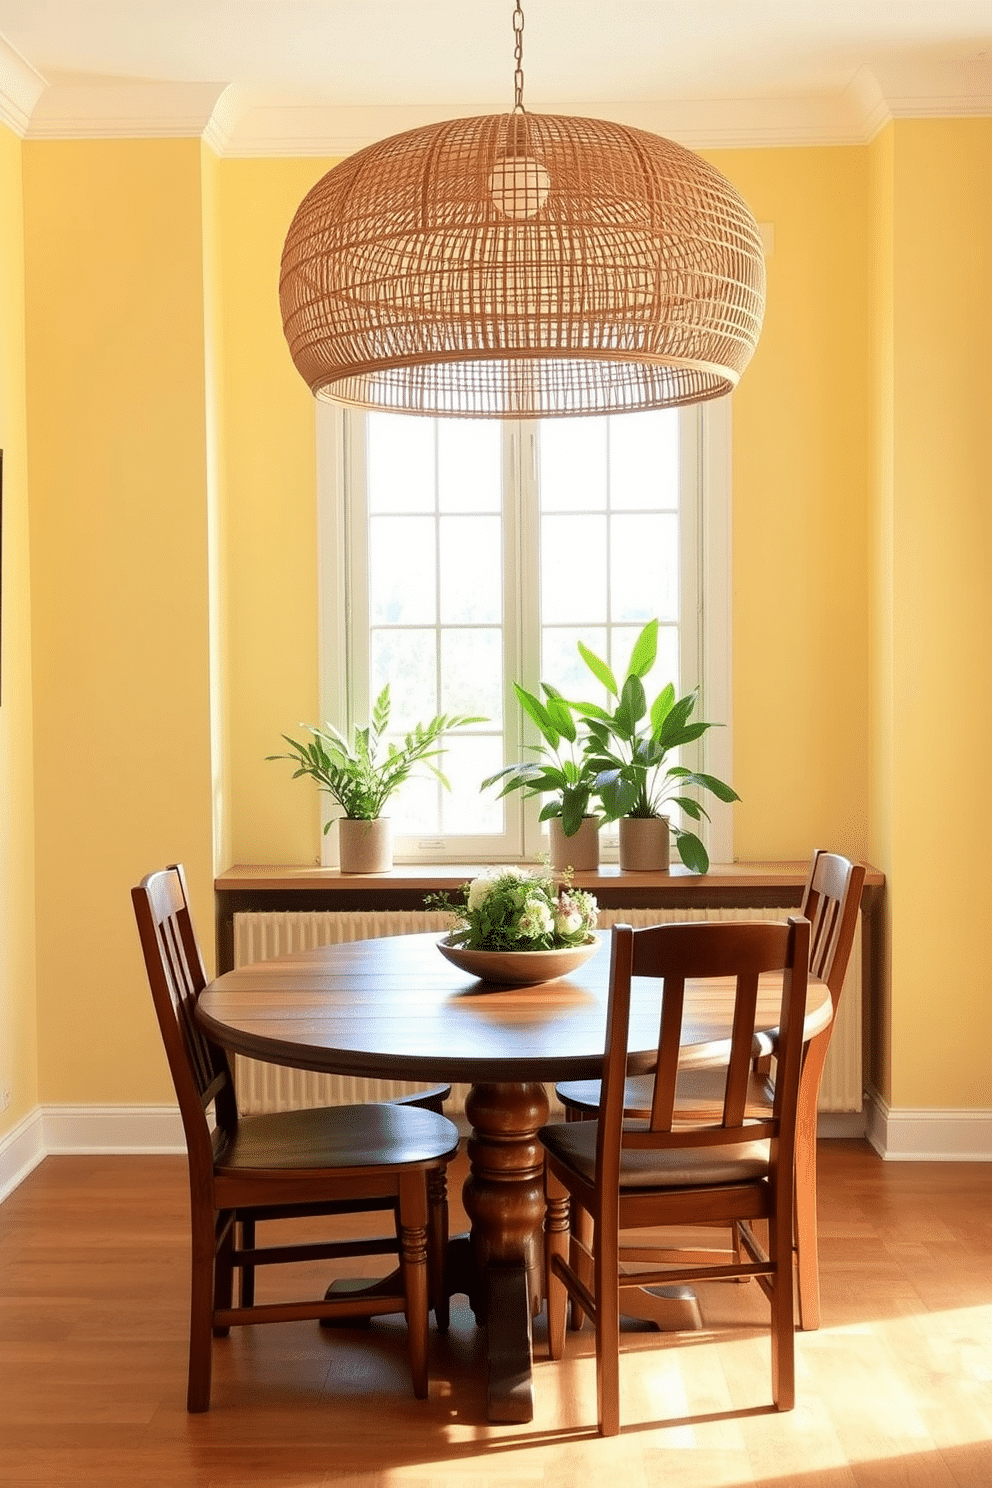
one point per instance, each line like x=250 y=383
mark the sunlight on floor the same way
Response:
x=717 y=1428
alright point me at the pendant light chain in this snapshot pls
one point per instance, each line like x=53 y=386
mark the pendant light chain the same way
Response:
x=518 y=57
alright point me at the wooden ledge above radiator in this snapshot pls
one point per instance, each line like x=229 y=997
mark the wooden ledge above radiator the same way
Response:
x=745 y=878
x=753 y=885
x=749 y=885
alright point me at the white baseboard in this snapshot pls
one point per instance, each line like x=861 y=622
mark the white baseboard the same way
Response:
x=838 y=1125
x=908 y=1135
x=897 y=1135
x=21 y=1150
x=147 y=1130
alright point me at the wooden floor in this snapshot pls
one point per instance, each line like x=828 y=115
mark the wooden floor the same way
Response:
x=895 y=1390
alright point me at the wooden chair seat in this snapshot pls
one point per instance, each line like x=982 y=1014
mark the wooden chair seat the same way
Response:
x=328 y=1137
x=574 y=1143
x=322 y=1162
x=430 y=1099
x=699 y=1093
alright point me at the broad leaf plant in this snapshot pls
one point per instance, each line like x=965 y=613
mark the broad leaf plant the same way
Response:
x=564 y=773
x=628 y=748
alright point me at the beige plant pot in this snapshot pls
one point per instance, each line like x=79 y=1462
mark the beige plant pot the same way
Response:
x=365 y=846
x=579 y=852
x=644 y=844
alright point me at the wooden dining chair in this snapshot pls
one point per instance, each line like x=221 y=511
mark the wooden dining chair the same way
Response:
x=831 y=899
x=286 y=1165
x=629 y=1174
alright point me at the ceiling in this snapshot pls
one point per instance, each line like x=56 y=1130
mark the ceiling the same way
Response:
x=322 y=76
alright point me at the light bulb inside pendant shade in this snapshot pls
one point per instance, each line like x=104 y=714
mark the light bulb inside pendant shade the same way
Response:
x=519 y=186
x=522 y=265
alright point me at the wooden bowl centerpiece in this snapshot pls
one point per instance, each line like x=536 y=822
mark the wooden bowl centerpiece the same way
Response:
x=515 y=928
x=519 y=968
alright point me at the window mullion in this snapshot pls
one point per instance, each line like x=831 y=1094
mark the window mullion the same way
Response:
x=357 y=596
x=336 y=578
x=514 y=624
x=530 y=613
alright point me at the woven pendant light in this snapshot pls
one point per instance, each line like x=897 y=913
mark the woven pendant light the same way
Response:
x=522 y=265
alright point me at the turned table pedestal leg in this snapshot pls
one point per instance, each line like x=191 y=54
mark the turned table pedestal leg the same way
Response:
x=504 y=1199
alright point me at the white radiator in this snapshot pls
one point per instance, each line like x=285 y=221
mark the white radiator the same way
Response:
x=269 y=1087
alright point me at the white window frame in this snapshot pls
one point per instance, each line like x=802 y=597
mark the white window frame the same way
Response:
x=705 y=508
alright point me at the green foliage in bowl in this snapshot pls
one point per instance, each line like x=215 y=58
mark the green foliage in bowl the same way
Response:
x=509 y=909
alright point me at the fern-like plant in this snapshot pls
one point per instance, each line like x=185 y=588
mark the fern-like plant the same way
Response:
x=358 y=776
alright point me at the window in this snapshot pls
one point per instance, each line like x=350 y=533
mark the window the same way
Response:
x=461 y=555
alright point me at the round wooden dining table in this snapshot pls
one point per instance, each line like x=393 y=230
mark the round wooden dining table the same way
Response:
x=395 y=1008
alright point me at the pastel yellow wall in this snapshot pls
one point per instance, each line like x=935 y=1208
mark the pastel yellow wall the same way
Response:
x=880 y=528
x=941 y=613
x=119 y=570
x=173 y=559
x=18 y=1021
x=800 y=577
x=271 y=539
x=217 y=513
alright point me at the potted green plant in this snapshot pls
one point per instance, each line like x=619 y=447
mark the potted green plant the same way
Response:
x=563 y=772
x=628 y=749
x=361 y=779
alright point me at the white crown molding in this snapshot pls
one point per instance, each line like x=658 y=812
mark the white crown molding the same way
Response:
x=301 y=130
x=96 y=110
x=867 y=102
x=910 y=1135
x=21 y=86
x=236 y=123
x=223 y=121
x=918 y=91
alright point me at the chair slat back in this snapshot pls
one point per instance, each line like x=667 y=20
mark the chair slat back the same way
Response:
x=176 y=975
x=830 y=902
x=673 y=953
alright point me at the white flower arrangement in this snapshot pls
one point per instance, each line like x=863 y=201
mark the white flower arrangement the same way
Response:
x=510 y=909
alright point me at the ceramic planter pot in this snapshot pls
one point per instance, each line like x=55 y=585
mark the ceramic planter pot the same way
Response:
x=365 y=846
x=579 y=852
x=644 y=844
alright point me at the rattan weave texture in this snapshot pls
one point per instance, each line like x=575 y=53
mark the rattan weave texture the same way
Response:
x=522 y=265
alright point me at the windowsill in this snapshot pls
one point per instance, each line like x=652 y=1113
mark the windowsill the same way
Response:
x=429 y=876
